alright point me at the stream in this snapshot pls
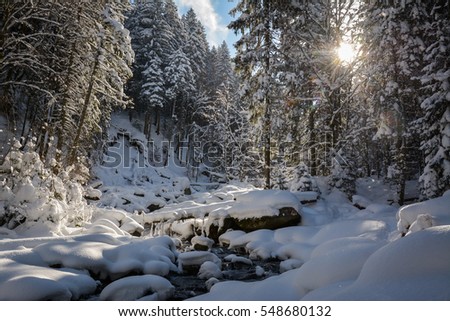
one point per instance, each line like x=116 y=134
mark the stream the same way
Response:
x=188 y=285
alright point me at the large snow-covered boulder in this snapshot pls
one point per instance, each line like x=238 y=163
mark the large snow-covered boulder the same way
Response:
x=255 y=210
x=419 y=216
x=247 y=211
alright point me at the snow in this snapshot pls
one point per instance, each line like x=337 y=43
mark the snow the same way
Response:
x=142 y=287
x=416 y=267
x=29 y=264
x=418 y=216
x=233 y=258
x=197 y=258
x=203 y=241
x=26 y=282
x=339 y=252
x=209 y=270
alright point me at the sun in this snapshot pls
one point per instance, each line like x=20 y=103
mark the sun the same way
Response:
x=346 y=53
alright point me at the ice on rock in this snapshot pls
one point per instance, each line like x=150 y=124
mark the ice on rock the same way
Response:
x=422 y=222
x=259 y=271
x=147 y=287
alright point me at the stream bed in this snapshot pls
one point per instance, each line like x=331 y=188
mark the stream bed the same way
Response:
x=188 y=285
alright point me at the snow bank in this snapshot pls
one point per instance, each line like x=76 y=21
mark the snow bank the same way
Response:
x=418 y=216
x=25 y=282
x=297 y=242
x=312 y=258
x=416 y=267
x=111 y=261
x=52 y=268
x=276 y=288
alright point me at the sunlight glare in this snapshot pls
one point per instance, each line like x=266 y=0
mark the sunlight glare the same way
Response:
x=346 y=53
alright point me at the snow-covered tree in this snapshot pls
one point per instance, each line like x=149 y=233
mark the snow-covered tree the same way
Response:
x=153 y=90
x=179 y=81
x=434 y=126
x=196 y=48
x=394 y=46
x=55 y=51
x=256 y=61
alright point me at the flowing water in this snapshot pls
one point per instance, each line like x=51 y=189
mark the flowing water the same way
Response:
x=188 y=285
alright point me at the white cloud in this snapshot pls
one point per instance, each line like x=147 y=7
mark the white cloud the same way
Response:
x=216 y=31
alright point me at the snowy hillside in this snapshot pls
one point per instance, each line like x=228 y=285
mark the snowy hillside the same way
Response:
x=338 y=252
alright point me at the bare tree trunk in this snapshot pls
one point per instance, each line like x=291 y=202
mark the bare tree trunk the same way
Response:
x=267 y=102
x=312 y=143
x=86 y=103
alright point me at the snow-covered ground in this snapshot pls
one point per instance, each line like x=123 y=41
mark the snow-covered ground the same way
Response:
x=339 y=252
x=343 y=253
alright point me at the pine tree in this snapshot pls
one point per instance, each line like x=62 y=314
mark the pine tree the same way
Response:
x=255 y=62
x=434 y=126
x=196 y=48
x=179 y=82
x=395 y=43
x=52 y=48
x=152 y=91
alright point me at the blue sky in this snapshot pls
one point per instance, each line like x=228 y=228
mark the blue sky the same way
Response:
x=214 y=15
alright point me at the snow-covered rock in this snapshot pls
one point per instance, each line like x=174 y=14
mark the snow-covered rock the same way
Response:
x=418 y=216
x=202 y=243
x=209 y=270
x=141 y=287
x=191 y=261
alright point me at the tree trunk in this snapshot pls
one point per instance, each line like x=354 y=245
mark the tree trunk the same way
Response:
x=64 y=116
x=312 y=143
x=87 y=100
x=267 y=102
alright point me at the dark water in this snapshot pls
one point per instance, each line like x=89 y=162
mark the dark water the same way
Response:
x=188 y=285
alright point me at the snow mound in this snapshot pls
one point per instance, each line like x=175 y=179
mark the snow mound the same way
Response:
x=416 y=267
x=24 y=282
x=419 y=216
x=142 y=287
